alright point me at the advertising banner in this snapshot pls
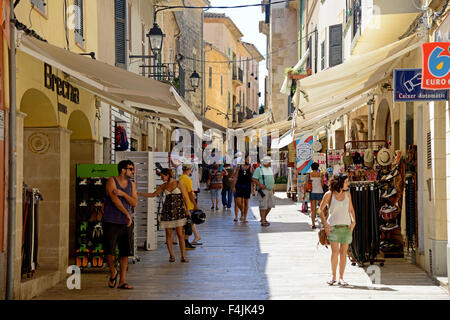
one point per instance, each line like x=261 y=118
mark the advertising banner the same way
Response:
x=304 y=151
x=407 y=87
x=321 y=159
x=436 y=65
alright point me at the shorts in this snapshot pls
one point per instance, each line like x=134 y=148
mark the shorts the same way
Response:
x=316 y=196
x=118 y=234
x=216 y=193
x=243 y=191
x=268 y=202
x=342 y=234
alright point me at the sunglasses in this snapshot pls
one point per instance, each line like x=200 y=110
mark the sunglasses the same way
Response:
x=131 y=169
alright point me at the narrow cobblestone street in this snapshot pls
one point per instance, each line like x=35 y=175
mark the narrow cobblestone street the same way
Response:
x=247 y=261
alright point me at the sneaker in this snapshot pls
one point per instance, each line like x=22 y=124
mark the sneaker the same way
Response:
x=83 y=203
x=189 y=246
x=389 y=226
x=98 y=182
x=83 y=182
x=389 y=194
x=390 y=176
x=388 y=209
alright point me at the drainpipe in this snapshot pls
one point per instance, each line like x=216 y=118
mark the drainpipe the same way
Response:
x=12 y=162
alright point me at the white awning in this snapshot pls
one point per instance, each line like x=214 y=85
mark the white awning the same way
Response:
x=358 y=74
x=255 y=122
x=115 y=85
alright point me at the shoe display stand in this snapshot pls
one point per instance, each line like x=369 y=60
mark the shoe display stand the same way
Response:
x=31 y=198
x=90 y=197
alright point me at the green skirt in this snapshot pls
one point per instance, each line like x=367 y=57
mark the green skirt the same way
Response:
x=342 y=235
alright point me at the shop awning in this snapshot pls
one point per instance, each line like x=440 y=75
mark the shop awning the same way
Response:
x=112 y=84
x=255 y=122
x=332 y=87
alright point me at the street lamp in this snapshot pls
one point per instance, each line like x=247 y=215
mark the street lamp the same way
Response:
x=155 y=36
x=195 y=79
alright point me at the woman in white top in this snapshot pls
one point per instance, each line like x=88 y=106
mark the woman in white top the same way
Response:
x=339 y=225
x=316 y=195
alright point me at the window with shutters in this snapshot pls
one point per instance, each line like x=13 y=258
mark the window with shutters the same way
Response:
x=40 y=5
x=335 y=45
x=79 y=22
x=210 y=77
x=120 y=16
x=428 y=150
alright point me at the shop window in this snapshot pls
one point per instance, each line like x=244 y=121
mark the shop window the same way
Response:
x=79 y=22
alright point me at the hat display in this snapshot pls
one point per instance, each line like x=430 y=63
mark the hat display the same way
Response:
x=368 y=158
x=347 y=158
x=384 y=157
x=357 y=159
x=317 y=146
x=266 y=159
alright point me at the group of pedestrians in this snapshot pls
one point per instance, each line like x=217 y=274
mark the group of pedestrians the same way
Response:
x=336 y=210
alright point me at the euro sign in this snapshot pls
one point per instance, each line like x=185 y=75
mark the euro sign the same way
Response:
x=439 y=65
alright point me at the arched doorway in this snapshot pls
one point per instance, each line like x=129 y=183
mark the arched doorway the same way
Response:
x=82 y=150
x=383 y=127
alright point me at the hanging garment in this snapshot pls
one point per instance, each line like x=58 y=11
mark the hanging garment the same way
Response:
x=121 y=139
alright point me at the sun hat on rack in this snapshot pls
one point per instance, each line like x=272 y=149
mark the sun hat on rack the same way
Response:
x=368 y=158
x=347 y=158
x=384 y=157
x=317 y=146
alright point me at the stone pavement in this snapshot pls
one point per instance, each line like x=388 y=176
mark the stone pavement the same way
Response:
x=240 y=261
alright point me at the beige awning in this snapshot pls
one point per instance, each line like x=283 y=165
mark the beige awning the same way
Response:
x=255 y=122
x=112 y=84
x=335 y=86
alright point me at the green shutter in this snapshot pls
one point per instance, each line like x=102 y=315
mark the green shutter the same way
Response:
x=335 y=47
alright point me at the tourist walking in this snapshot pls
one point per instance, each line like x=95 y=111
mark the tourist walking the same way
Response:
x=215 y=183
x=227 y=191
x=265 y=182
x=121 y=195
x=192 y=203
x=174 y=211
x=242 y=187
x=316 y=194
x=339 y=225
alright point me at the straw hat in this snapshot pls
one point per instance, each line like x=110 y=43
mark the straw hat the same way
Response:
x=384 y=157
x=266 y=159
x=317 y=146
x=368 y=158
x=347 y=158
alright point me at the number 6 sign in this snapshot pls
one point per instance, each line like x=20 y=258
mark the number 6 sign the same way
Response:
x=436 y=65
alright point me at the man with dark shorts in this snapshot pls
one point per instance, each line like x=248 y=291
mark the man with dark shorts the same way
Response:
x=121 y=195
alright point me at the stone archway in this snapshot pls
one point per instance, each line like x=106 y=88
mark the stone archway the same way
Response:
x=383 y=127
x=46 y=167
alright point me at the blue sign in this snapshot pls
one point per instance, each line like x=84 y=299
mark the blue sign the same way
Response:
x=407 y=87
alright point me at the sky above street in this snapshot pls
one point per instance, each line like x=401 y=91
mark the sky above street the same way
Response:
x=247 y=20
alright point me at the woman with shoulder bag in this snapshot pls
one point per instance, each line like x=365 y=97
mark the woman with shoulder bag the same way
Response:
x=339 y=225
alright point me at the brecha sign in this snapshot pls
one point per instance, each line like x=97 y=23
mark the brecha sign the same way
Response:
x=62 y=87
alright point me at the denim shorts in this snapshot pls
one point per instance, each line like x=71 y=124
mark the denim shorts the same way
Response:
x=316 y=196
x=342 y=234
x=216 y=193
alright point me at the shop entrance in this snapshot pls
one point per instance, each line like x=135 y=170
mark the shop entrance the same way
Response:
x=82 y=150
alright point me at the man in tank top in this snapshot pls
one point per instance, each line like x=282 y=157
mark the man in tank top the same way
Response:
x=121 y=195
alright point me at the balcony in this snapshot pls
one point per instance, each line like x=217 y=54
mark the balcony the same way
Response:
x=238 y=77
x=168 y=73
x=377 y=23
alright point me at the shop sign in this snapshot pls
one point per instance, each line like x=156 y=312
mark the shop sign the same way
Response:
x=321 y=159
x=90 y=170
x=407 y=87
x=304 y=151
x=62 y=87
x=436 y=65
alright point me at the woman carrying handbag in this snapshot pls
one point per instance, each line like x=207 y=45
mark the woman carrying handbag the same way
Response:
x=339 y=225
